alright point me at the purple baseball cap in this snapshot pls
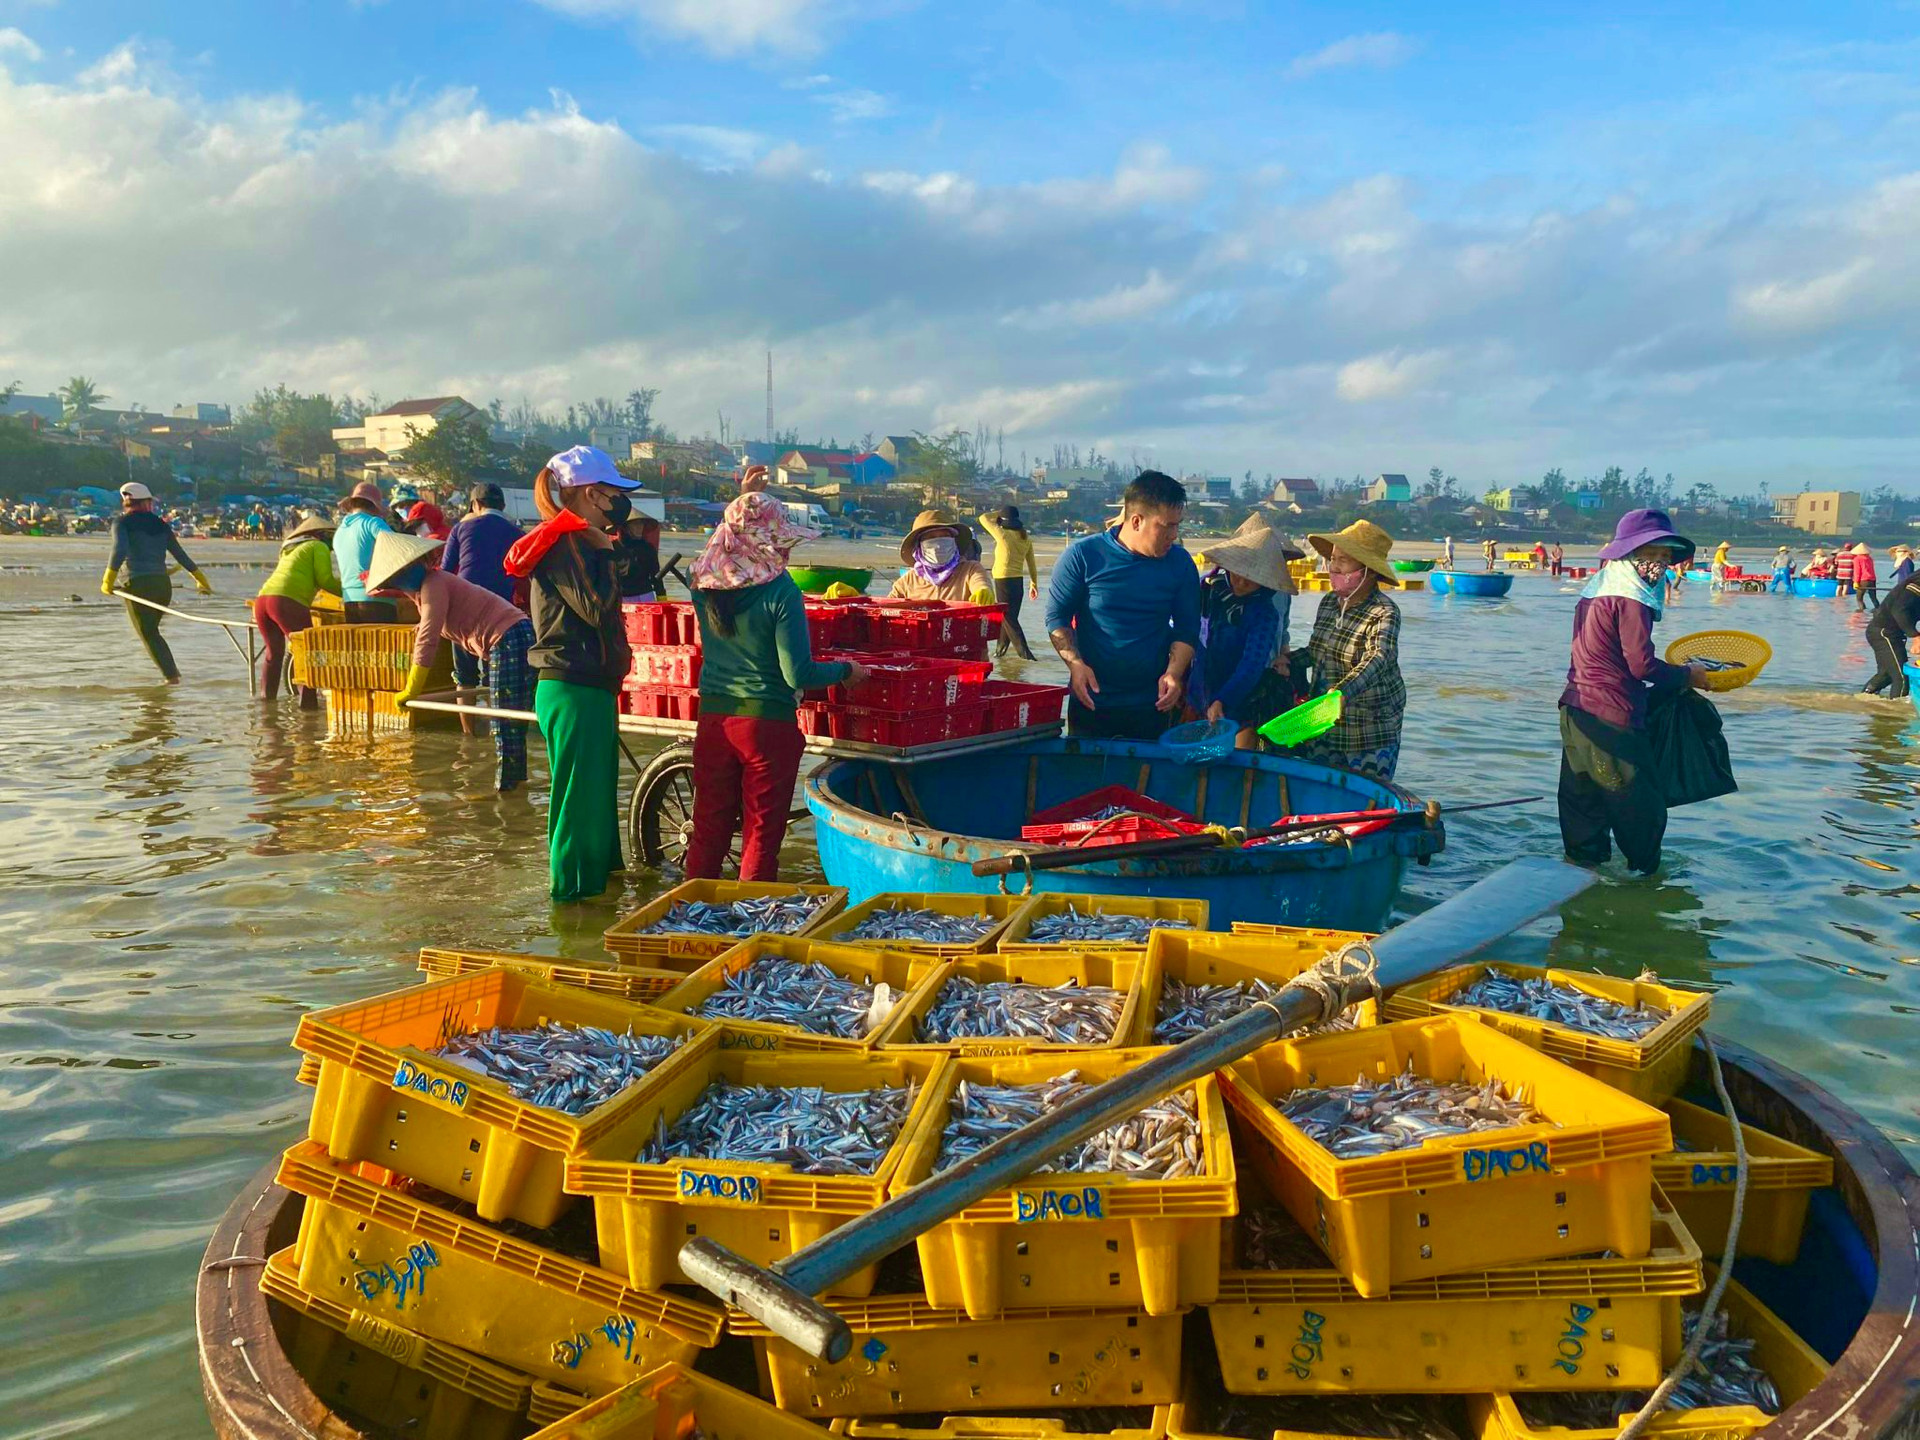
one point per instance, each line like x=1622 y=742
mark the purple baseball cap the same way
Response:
x=1644 y=527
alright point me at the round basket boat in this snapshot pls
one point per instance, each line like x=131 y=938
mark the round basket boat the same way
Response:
x=1850 y=1293
x=1487 y=583
x=1749 y=652
x=1414 y=567
x=813 y=579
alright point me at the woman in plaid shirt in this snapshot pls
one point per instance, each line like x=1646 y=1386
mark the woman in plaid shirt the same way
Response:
x=1356 y=650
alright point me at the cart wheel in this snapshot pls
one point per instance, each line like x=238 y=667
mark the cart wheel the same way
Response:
x=660 y=810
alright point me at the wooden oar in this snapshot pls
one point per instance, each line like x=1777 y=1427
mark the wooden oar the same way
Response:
x=781 y=1297
x=1063 y=857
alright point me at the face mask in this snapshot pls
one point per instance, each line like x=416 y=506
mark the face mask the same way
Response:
x=1345 y=582
x=619 y=509
x=939 y=550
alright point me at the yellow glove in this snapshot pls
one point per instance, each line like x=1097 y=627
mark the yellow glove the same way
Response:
x=106 y=583
x=983 y=596
x=200 y=583
x=416 y=683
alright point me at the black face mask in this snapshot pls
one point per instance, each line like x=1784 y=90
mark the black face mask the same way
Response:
x=619 y=510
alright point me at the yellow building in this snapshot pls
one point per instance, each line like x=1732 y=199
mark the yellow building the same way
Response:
x=1819 y=512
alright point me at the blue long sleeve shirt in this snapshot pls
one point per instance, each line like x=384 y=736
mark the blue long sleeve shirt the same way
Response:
x=1232 y=658
x=477 y=551
x=1126 y=612
x=353 y=550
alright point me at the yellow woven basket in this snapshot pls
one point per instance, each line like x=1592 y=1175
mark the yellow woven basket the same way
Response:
x=1749 y=652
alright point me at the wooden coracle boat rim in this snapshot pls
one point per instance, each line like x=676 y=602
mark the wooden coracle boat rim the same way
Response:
x=254 y=1393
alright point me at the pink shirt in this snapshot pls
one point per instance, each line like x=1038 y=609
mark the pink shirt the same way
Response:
x=473 y=618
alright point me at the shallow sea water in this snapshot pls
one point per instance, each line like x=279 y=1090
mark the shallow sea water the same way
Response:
x=183 y=872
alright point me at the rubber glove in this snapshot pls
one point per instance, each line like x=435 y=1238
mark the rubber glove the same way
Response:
x=983 y=596
x=200 y=583
x=416 y=684
x=106 y=583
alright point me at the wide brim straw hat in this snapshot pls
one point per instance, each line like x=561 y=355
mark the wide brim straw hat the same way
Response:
x=1256 y=554
x=1363 y=541
x=394 y=552
x=312 y=525
x=926 y=522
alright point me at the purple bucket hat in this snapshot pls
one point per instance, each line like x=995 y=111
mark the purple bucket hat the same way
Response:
x=1644 y=527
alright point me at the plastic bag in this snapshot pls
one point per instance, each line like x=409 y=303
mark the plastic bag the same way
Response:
x=1689 y=751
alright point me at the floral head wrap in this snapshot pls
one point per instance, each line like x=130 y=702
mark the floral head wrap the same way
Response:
x=750 y=545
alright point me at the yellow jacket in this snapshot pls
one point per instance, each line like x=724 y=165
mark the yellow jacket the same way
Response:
x=1012 y=551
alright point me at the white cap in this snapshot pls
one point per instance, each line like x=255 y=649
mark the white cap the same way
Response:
x=585 y=465
x=134 y=490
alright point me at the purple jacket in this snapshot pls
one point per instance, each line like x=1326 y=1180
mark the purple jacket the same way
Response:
x=476 y=549
x=1614 y=663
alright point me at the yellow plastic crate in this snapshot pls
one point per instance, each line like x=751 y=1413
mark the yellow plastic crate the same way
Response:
x=909 y=1357
x=636 y=983
x=1186 y=1420
x=645 y=1213
x=1330 y=939
x=1035 y=1425
x=1128 y=971
x=690 y=950
x=309 y=1072
x=1215 y=959
x=1063 y=1240
x=388 y=1374
x=382 y=1097
x=1013 y=940
x=548 y=1403
x=1576 y=1184
x=361 y=667
x=1651 y=1069
x=1004 y=908
x=674 y=1401
x=860 y=963
x=1792 y=1364
x=1781 y=1176
x=400 y=1259
x=1595 y=1324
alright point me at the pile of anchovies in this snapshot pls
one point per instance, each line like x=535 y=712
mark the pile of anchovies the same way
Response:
x=1161 y=1142
x=1067 y=1014
x=569 y=1068
x=1725 y=1375
x=1387 y=1417
x=1092 y=925
x=1373 y=1118
x=802 y=993
x=1544 y=999
x=1187 y=1010
x=1270 y=1239
x=769 y=915
x=928 y=927
x=1709 y=663
x=815 y=1131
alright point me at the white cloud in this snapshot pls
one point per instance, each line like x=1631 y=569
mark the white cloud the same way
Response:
x=1379 y=51
x=1123 y=302
x=716 y=145
x=1389 y=376
x=1031 y=410
x=806 y=82
x=725 y=27
x=850 y=106
x=116 y=67
x=15 y=42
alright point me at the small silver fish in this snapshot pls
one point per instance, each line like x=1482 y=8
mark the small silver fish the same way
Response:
x=1070 y=1014
x=1544 y=999
x=1377 y=1117
x=1727 y=1374
x=1160 y=1142
x=927 y=927
x=1187 y=1010
x=803 y=994
x=569 y=1068
x=1073 y=924
x=767 y=915
x=814 y=1131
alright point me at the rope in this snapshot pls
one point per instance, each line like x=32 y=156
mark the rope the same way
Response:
x=1353 y=964
x=1691 y=1356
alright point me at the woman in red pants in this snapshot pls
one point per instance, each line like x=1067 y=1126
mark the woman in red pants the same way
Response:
x=755 y=657
x=284 y=605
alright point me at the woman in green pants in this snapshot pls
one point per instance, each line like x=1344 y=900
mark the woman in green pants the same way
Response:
x=141 y=542
x=579 y=658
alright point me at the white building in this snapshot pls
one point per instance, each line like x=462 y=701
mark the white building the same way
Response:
x=387 y=431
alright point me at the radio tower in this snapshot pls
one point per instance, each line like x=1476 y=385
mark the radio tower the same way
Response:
x=769 y=397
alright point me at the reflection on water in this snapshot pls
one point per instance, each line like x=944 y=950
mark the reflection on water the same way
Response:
x=185 y=871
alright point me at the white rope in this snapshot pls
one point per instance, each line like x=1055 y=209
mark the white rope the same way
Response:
x=1329 y=981
x=1691 y=1357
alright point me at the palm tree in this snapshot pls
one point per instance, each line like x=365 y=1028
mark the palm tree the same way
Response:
x=79 y=395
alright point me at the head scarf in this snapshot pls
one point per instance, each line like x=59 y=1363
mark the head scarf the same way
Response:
x=1627 y=580
x=937 y=574
x=750 y=545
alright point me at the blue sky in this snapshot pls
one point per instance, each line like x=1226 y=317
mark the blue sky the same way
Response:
x=1223 y=236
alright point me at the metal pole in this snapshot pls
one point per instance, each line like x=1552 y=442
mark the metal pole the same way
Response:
x=782 y=1297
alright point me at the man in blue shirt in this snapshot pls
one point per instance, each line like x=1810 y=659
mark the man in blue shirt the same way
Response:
x=1123 y=610
x=476 y=551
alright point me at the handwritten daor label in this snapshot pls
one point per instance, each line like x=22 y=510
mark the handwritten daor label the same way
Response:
x=1307 y=1348
x=1501 y=1164
x=401 y=1278
x=1715 y=1174
x=728 y=1189
x=1080 y=1203
x=616 y=1330
x=1571 y=1347
x=412 y=1079
x=393 y=1341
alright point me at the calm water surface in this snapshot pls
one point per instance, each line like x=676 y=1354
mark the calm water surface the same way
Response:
x=183 y=872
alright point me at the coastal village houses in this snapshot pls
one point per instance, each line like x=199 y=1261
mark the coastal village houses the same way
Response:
x=387 y=431
x=1819 y=512
x=1296 y=494
x=1388 y=490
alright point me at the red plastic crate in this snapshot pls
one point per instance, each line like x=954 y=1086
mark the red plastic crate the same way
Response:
x=1012 y=706
x=923 y=627
x=659 y=622
x=903 y=686
x=1082 y=806
x=665 y=665
x=837 y=624
x=882 y=727
x=659 y=702
x=1120 y=830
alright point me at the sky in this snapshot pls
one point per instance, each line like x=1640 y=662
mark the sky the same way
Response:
x=1216 y=236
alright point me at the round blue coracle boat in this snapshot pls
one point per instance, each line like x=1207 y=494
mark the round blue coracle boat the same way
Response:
x=1469 y=582
x=884 y=827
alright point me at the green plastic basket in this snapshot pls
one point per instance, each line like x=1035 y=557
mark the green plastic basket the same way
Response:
x=1303 y=722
